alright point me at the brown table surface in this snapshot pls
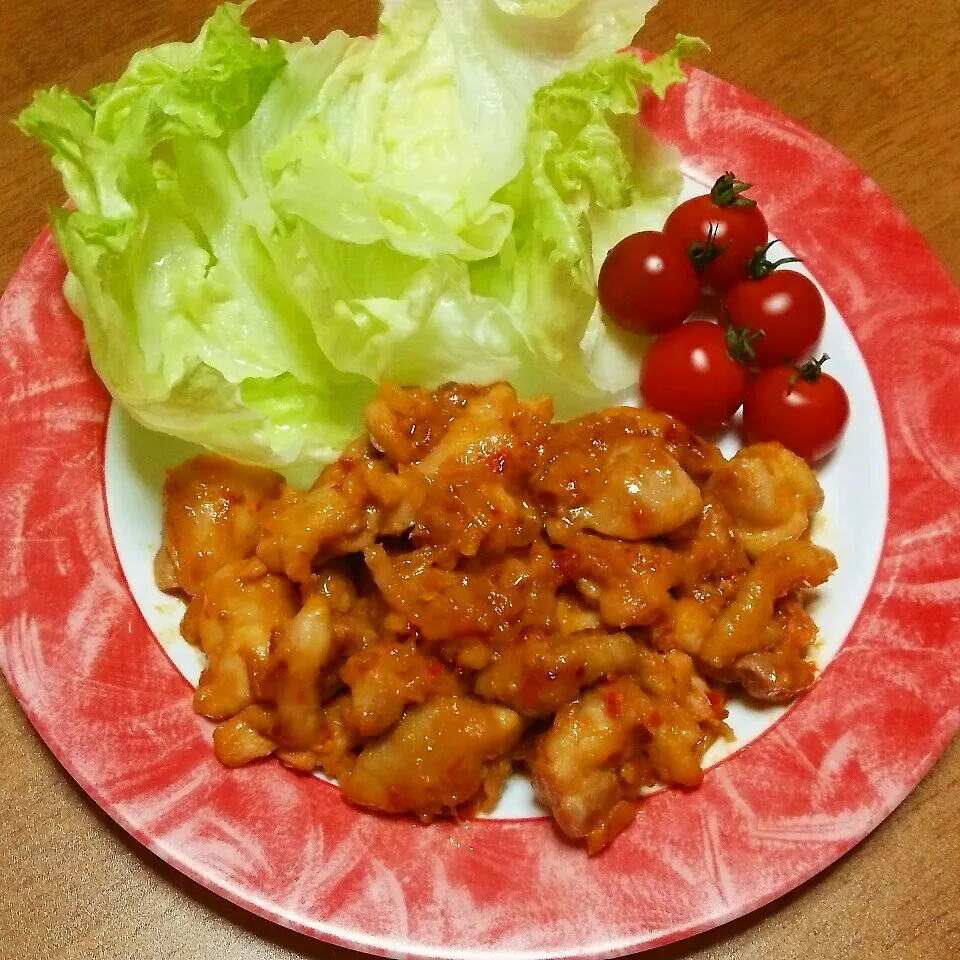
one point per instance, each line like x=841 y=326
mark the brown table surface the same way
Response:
x=879 y=80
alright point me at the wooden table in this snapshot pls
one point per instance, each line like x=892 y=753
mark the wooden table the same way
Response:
x=883 y=84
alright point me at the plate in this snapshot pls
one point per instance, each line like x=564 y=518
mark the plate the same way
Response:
x=82 y=660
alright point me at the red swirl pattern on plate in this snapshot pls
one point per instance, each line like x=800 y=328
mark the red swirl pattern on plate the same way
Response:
x=116 y=713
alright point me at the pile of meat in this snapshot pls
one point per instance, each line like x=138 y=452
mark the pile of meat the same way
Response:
x=473 y=590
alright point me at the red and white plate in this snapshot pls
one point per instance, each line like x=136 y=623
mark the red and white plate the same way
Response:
x=80 y=622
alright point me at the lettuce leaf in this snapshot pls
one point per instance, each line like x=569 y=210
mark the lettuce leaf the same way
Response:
x=264 y=230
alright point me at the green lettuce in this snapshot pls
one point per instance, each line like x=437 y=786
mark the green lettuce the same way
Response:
x=261 y=231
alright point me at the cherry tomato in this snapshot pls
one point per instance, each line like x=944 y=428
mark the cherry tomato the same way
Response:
x=724 y=223
x=647 y=283
x=784 y=307
x=689 y=373
x=803 y=408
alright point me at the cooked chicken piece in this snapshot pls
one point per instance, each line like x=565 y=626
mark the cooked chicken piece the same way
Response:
x=360 y=627
x=631 y=489
x=696 y=456
x=393 y=498
x=779 y=672
x=408 y=424
x=481 y=438
x=385 y=679
x=713 y=563
x=540 y=673
x=335 y=748
x=298 y=672
x=240 y=610
x=486 y=798
x=741 y=629
x=405 y=423
x=334 y=581
x=629 y=582
x=332 y=518
x=601 y=751
x=500 y=399
x=595 y=433
x=645 y=493
x=475 y=514
x=708 y=546
x=685 y=626
x=485 y=597
x=477 y=499
x=353 y=501
x=672 y=678
x=245 y=737
x=356 y=609
x=584 y=768
x=770 y=493
x=434 y=760
x=574 y=614
x=211 y=517
x=677 y=747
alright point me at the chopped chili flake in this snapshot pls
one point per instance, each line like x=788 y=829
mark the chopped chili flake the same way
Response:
x=718 y=702
x=613 y=702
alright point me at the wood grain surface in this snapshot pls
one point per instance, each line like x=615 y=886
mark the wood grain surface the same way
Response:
x=879 y=80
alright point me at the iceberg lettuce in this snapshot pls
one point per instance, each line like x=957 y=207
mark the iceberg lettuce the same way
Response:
x=262 y=230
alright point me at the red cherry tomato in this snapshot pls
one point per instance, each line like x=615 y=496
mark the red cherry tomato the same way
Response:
x=785 y=307
x=723 y=220
x=647 y=283
x=803 y=408
x=690 y=374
